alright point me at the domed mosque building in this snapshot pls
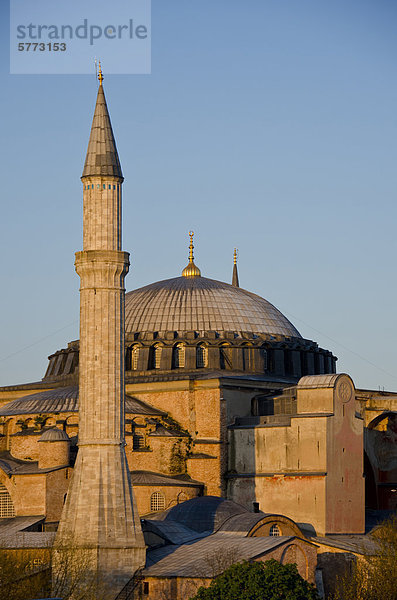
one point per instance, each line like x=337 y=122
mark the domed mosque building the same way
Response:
x=206 y=362
x=224 y=399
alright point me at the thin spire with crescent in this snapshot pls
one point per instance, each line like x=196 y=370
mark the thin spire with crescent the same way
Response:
x=235 y=280
x=100 y=74
x=191 y=270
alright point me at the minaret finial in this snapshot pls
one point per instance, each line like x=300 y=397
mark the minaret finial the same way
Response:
x=191 y=270
x=191 y=257
x=235 y=280
x=100 y=75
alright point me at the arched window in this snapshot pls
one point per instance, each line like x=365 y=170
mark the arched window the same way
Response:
x=134 y=357
x=270 y=360
x=288 y=362
x=263 y=353
x=304 y=366
x=6 y=505
x=178 y=358
x=157 y=502
x=155 y=356
x=201 y=356
x=275 y=530
x=246 y=354
x=182 y=497
x=225 y=358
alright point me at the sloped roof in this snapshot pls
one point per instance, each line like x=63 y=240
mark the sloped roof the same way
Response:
x=14 y=466
x=152 y=478
x=66 y=399
x=13 y=525
x=170 y=531
x=198 y=558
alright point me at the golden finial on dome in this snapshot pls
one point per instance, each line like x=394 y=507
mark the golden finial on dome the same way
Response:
x=100 y=75
x=235 y=257
x=191 y=270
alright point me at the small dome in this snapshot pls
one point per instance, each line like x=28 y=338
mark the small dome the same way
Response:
x=205 y=513
x=54 y=435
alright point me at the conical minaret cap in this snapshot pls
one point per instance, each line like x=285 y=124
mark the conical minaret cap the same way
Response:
x=102 y=158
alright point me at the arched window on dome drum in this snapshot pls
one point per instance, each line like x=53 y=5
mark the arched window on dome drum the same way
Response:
x=263 y=353
x=6 y=505
x=287 y=362
x=155 y=357
x=225 y=356
x=304 y=367
x=157 y=502
x=246 y=356
x=270 y=360
x=134 y=357
x=275 y=530
x=201 y=356
x=178 y=356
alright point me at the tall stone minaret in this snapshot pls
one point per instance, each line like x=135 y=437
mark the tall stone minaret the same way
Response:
x=100 y=516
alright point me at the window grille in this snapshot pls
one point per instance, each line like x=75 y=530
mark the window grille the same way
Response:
x=275 y=530
x=138 y=442
x=135 y=355
x=225 y=358
x=246 y=353
x=179 y=356
x=157 y=357
x=201 y=356
x=157 y=502
x=6 y=505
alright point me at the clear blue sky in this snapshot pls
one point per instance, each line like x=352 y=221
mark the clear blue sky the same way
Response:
x=266 y=125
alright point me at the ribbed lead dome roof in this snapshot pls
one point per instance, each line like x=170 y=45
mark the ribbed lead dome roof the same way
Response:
x=201 y=304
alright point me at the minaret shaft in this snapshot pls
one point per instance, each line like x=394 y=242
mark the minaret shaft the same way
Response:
x=101 y=365
x=102 y=214
x=100 y=515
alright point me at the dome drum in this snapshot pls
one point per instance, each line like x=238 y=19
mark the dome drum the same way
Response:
x=257 y=355
x=191 y=351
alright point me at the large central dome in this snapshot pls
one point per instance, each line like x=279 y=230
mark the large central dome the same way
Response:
x=201 y=304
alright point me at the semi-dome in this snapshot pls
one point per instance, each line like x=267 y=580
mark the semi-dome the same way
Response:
x=201 y=304
x=54 y=435
x=206 y=513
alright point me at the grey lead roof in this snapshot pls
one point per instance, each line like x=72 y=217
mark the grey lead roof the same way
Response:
x=201 y=304
x=102 y=157
x=15 y=466
x=13 y=525
x=203 y=557
x=205 y=513
x=152 y=478
x=66 y=399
